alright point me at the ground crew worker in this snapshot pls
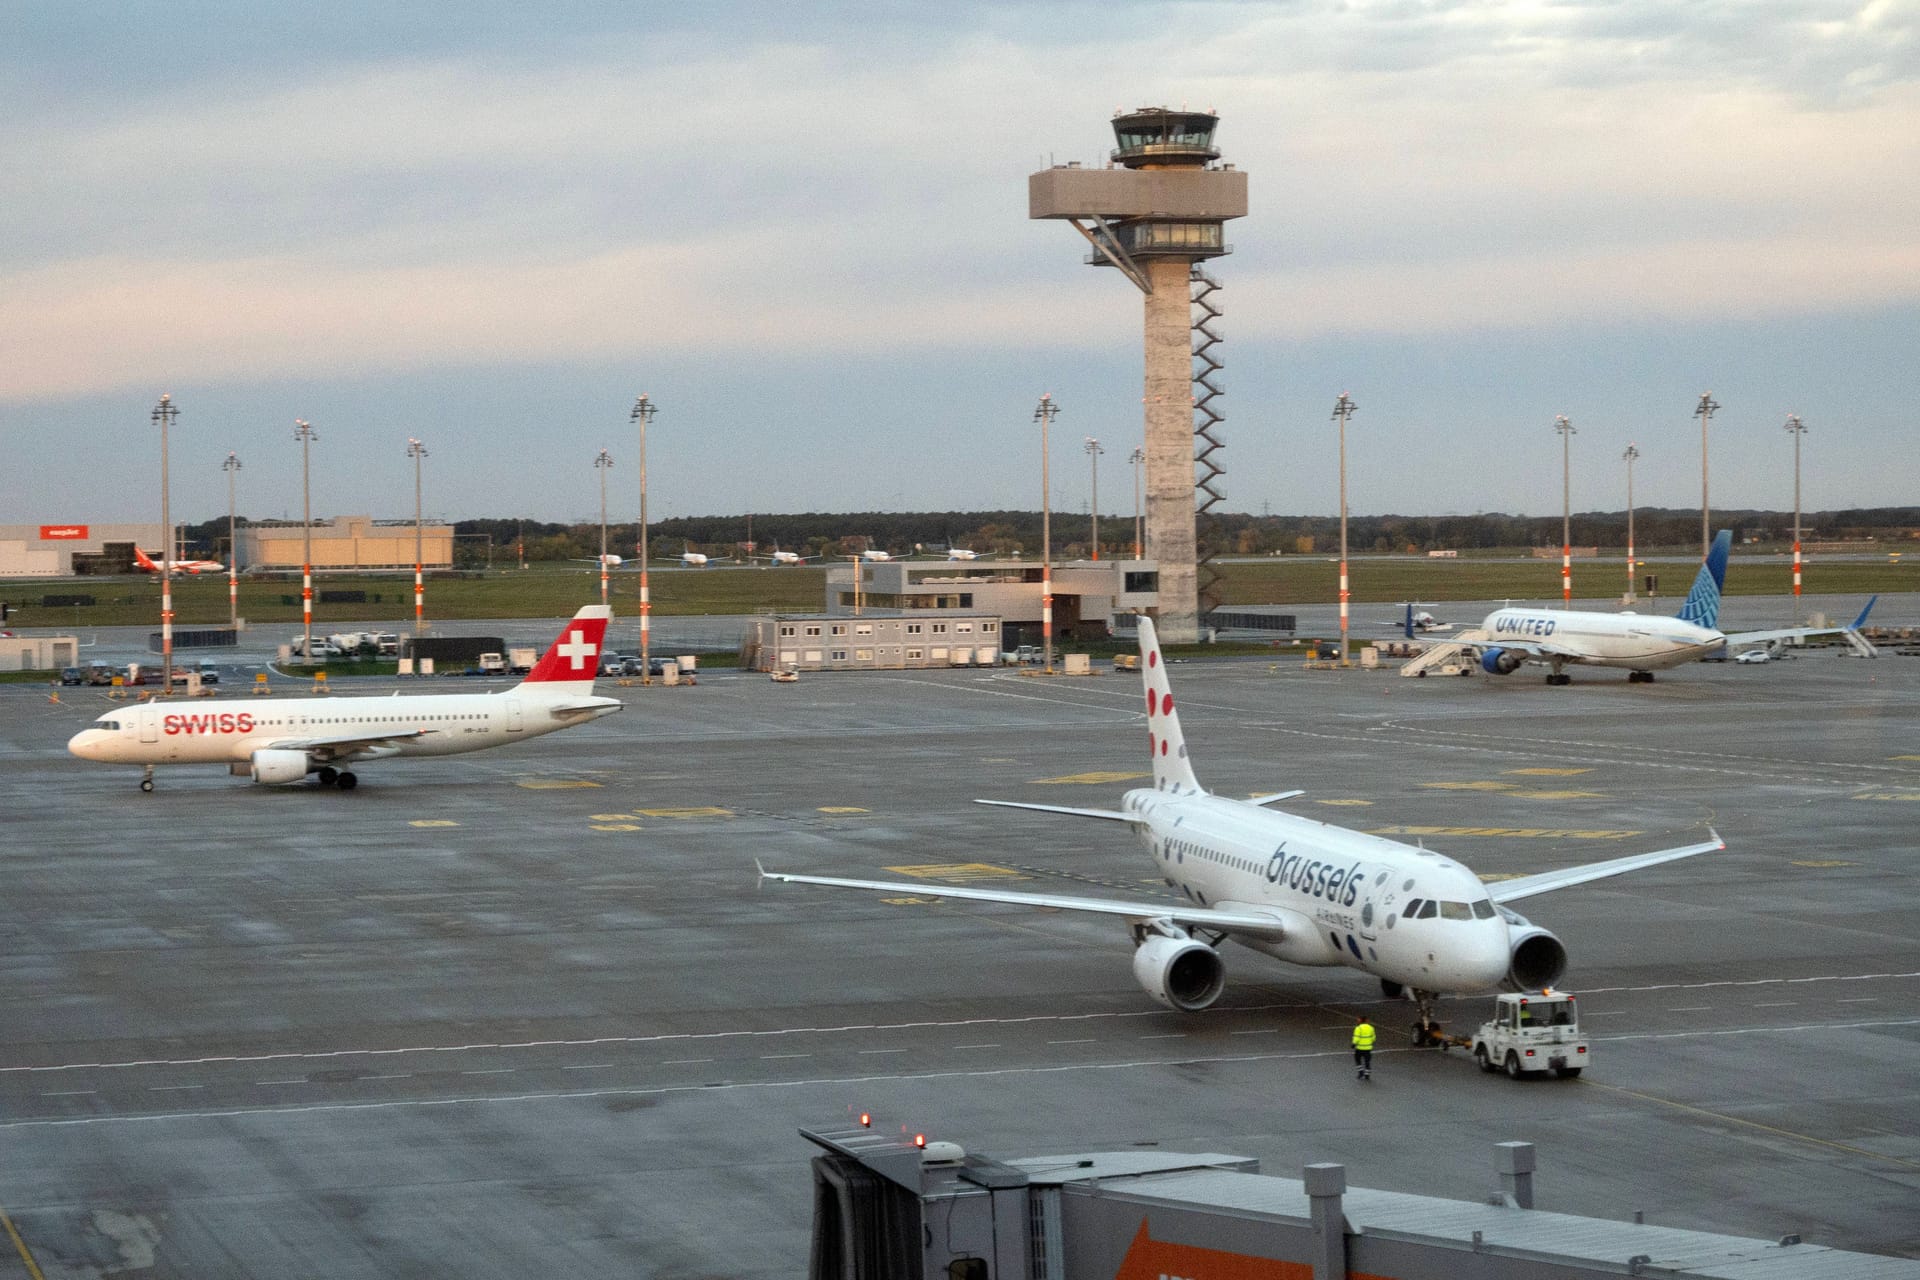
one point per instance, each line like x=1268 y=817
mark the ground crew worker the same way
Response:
x=1363 y=1036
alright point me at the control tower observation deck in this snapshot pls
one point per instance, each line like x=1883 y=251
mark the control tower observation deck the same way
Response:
x=1160 y=211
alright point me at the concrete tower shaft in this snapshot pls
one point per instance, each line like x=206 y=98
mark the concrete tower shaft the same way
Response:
x=1162 y=210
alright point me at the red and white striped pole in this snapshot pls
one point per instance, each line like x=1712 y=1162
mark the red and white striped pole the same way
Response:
x=642 y=413
x=1798 y=428
x=1633 y=451
x=1342 y=410
x=1565 y=427
x=303 y=432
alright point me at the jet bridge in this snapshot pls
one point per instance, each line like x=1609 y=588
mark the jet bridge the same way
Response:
x=895 y=1205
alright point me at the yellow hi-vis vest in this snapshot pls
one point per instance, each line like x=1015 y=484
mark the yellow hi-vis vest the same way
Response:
x=1363 y=1036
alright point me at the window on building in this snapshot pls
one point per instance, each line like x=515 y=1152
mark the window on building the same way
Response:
x=839 y=655
x=863 y=655
x=939 y=628
x=915 y=655
x=964 y=628
x=839 y=628
x=788 y=629
x=1142 y=580
x=863 y=628
x=989 y=627
x=913 y=628
x=814 y=630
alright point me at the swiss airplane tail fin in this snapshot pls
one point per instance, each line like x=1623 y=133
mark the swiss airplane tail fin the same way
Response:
x=1172 y=771
x=1703 y=601
x=573 y=659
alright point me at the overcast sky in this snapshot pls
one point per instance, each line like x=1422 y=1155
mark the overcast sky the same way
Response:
x=802 y=230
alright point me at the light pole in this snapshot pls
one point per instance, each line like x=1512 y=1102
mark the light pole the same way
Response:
x=231 y=465
x=1798 y=428
x=1044 y=415
x=602 y=463
x=1138 y=458
x=641 y=415
x=1704 y=412
x=1093 y=456
x=303 y=432
x=417 y=451
x=162 y=416
x=1633 y=451
x=1564 y=426
x=1343 y=409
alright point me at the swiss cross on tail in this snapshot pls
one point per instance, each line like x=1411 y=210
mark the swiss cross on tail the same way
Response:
x=573 y=659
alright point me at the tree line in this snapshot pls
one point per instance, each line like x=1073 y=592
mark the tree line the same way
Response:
x=1006 y=533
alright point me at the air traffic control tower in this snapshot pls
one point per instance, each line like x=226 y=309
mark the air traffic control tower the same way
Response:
x=1155 y=217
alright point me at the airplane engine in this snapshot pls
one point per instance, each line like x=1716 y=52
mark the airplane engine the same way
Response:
x=1501 y=662
x=1538 y=959
x=279 y=766
x=1179 y=972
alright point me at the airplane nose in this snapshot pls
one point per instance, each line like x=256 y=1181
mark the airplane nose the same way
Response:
x=84 y=743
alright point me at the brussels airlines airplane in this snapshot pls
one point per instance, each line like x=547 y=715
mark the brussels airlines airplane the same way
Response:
x=284 y=740
x=1297 y=889
x=1641 y=643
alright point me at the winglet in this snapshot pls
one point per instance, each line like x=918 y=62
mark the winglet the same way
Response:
x=1861 y=621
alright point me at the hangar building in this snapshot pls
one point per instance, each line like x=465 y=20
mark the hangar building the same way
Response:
x=344 y=542
x=62 y=550
x=1086 y=593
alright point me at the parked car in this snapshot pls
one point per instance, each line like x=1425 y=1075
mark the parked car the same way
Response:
x=72 y=675
x=209 y=674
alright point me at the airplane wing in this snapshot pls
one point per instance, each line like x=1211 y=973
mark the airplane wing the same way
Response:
x=1548 y=881
x=347 y=743
x=1111 y=815
x=1797 y=633
x=1246 y=922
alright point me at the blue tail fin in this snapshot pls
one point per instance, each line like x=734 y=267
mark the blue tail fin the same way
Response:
x=1702 y=608
x=1861 y=621
x=1409 y=623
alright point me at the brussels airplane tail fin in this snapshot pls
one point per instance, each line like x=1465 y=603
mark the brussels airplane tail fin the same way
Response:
x=1172 y=771
x=1702 y=608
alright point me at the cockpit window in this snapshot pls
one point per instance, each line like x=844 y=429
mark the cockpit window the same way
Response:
x=1455 y=911
x=1428 y=910
x=1483 y=909
x=1413 y=909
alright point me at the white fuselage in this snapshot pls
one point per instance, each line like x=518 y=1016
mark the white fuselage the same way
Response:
x=231 y=729
x=1348 y=890
x=1644 y=642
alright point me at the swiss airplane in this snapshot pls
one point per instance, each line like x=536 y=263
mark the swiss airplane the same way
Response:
x=284 y=740
x=1642 y=643
x=147 y=564
x=1297 y=889
x=777 y=556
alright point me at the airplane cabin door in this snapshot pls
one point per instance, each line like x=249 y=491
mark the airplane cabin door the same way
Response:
x=149 y=724
x=513 y=715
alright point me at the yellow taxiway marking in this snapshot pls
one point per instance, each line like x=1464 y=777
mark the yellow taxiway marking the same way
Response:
x=1903 y=757
x=614 y=826
x=842 y=808
x=1523 y=833
x=553 y=784
x=1888 y=795
x=1087 y=779
x=703 y=811
x=1343 y=803
x=26 y=1255
x=612 y=817
x=959 y=872
x=1548 y=773
x=1468 y=786
x=433 y=822
x=1824 y=862
x=909 y=902
x=1559 y=795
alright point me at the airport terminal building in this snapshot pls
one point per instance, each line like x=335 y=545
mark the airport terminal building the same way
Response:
x=344 y=542
x=63 y=550
x=1086 y=593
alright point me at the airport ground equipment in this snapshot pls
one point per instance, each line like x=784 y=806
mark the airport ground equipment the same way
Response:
x=1155 y=212
x=1530 y=1033
x=909 y=1206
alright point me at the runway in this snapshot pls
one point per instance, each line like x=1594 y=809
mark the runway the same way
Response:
x=497 y=1013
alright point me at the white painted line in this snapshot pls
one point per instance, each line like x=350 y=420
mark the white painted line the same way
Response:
x=1260 y=1031
x=173 y=1088
x=768 y=1057
x=1858 y=1000
x=865 y=1052
x=1088 y=1040
x=683 y=1062
x=976 y=1046
x=1166 y=1035
x=302 y=1080
x=1776 y=1004
x=494 y=1071
x=72 y=1093
x=1603 y=1013
x=1689 y=1008
x=398 y=1075
x=589 y=1066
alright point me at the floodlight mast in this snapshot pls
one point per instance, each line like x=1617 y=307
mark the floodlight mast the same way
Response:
x=1343 y=409
x=231 y=465
x=1798 y=428
x=417 y=451
x=641 y=414
x=303 y=432
x=1704 y=411
x=1044 y=415
x=1152 y=218
x=1094 y=451
x=163 y=416
x=1633 y=451
x=603 y=462
x=1564 y=426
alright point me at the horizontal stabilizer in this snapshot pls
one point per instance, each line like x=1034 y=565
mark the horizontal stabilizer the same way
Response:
x=1277 y=795
x=1110 y=815
x=1547 y=881
x=1247 y=922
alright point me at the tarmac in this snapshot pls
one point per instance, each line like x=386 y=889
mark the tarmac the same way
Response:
x=528 y=1010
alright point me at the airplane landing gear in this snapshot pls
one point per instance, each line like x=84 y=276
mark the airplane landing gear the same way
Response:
x=1391 y=990
x=346 y=781
x=1559 y=677
x=327 y=775
x=146 y=782
x=1639 y=677
x=1426 y=1031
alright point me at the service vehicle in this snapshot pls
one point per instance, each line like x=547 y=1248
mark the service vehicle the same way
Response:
x=1530 y=1033
x=492 y=664
x=209 y=674
x=522 y=660
x=100 y=673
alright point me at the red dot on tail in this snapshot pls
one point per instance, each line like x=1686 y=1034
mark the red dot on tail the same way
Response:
x=1149 y=702
x=1153 y=657
x=1163 y=748
x=1166 y=702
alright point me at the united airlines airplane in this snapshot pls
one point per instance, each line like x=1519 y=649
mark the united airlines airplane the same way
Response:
x=284 y=740
x=1297 y=889
x=1642 y=643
